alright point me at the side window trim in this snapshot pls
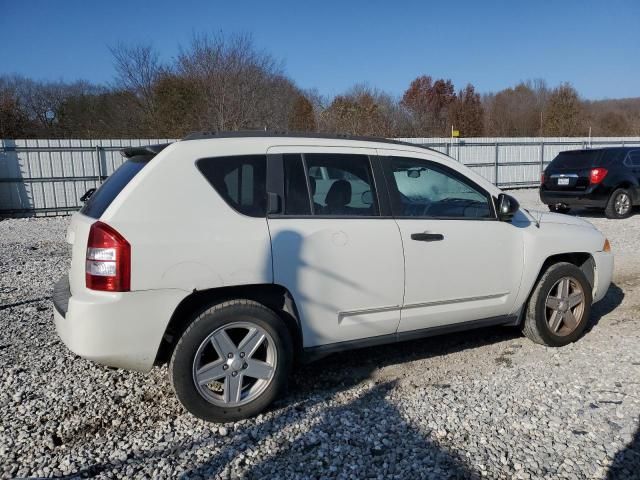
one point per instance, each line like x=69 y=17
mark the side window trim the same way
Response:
x=275 y=176
x=393 y=189
x=381 y=187
x=308 y=183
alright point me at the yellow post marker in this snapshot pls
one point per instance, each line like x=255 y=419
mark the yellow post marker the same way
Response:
x=455 y=133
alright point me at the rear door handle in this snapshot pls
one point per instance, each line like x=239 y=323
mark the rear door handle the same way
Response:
x=427 y=237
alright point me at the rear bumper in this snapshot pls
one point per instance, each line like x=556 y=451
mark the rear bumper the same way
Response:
x=603 y=274
x=116 y=329
x=579 y=199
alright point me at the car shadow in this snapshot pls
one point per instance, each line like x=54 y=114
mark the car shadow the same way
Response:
x=345 y=369
x=16 y=196
x=335 y=431
x=349 y=368
x=610 y=302
x=338 y=443
x=626 y=463
x=596 y=213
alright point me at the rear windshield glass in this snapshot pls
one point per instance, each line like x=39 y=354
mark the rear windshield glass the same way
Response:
x=579 y=159
x=109 y=190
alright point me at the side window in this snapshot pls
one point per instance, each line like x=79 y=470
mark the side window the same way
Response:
x=634 y=158
x=239 y=180
x=334 y=184
x=423 y=189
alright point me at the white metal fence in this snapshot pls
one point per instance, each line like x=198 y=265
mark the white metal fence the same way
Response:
x=47 y=177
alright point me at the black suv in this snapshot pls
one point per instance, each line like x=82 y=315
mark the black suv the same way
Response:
x=603 y=178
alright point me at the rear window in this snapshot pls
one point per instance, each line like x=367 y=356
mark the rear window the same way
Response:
x=109 y=190
x=634 y=158
x=577 y=159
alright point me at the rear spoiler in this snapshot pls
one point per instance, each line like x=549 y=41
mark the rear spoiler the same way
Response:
x=144 y=150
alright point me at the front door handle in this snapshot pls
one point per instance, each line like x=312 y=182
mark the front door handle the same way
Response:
x=427 y=237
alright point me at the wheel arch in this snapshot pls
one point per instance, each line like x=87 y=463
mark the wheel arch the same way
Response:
x=632 y=187
x=273 y=296
x=583 y=260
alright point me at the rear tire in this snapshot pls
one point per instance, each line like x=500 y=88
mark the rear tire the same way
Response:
x=556 y=209
x=541 y=325
x=619 y=204
x=232 y=361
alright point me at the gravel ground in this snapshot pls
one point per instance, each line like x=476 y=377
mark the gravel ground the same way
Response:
x=482 y=404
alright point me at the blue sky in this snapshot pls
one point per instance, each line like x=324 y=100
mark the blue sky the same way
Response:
x=330 y=45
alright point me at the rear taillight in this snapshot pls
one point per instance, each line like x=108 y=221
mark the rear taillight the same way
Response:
x=108 y=264
x=542 y=179
x=597 y=175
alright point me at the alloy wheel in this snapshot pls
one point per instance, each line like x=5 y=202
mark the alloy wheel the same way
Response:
x=622 y=204
x=565 y=306
x=235 y=364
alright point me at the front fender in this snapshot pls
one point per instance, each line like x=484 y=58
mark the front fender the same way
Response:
x=551 y=240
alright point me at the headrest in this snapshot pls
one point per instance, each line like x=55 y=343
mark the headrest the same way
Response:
x=339 y=194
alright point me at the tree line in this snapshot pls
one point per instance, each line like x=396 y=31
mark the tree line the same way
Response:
x=220 y=82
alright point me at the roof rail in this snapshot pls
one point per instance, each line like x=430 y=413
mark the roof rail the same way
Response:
x=275 y=133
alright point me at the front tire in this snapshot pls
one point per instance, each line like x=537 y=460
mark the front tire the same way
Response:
x=232 y=361
x=559 y=308
x=619 y=204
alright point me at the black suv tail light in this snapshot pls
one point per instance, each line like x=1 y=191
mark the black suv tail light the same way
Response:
x=596 y=175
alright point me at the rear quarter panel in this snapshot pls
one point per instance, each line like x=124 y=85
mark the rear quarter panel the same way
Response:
x=182 y=233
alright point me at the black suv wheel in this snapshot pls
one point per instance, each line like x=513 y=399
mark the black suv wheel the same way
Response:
x=619 y=204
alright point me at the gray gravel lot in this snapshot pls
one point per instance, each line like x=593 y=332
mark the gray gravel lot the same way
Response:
x=486 y=404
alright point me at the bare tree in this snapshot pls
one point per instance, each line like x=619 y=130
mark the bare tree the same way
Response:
x=242 y=87
x=514 y=112
x=360 y=111
x=13 y=120
x=138 y=68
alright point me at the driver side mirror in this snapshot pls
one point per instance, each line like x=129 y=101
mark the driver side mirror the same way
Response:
x=507 y=207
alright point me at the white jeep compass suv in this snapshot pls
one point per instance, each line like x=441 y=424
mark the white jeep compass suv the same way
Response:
x=232 y=256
